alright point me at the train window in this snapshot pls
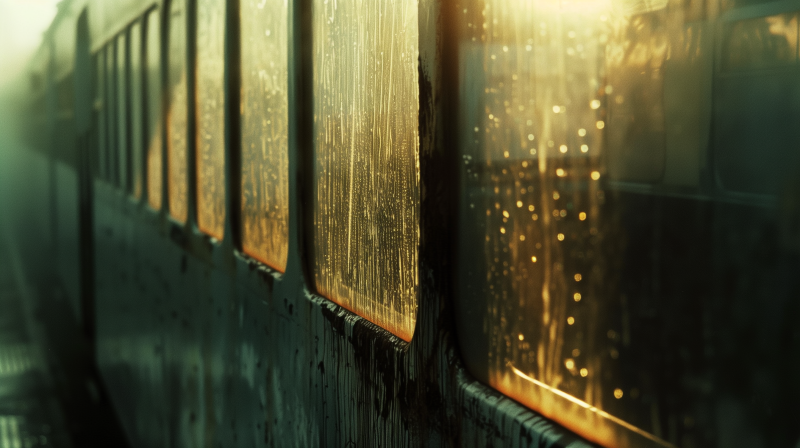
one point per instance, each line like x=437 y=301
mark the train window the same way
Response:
x=265 y=128
x=211 y=117
x=757 y=105
x=111 y=111
x=137 y=95
x=65 y=95
x=637 y=140
x=761 y=42
x=154 y=118
x=122 y=148
x=177 y=114
x=633 y=318
x=100 y=113
x=366 y=190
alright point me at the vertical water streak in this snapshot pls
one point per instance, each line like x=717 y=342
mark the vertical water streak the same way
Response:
x=211 y=117
x=154 y=116
x=177 y=113
x=366 y=109
x=265 y=130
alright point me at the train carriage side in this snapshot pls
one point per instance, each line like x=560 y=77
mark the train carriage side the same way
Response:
x=252 y=210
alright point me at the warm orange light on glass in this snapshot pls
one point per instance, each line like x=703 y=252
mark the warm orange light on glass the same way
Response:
x=265 y=131
x=536 y=68
x=154 y=117
x=177 y=181
x=366 y=192
x=210 y=96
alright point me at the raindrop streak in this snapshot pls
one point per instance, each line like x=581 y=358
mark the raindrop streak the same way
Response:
x=210 y=74
x=366 y=192
x=177 y=114
x=265 y=132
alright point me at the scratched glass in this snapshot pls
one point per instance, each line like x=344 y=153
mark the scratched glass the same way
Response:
x=366 y=189
x=136 y=110
x=177 y=114
x=622 y=269
x=122 y=152
x=211 y=117
x=265 y=128
x=154 y=117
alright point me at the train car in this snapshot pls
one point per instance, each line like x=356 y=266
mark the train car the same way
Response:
x=551 y=223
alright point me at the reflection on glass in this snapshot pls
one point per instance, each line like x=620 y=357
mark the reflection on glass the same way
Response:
x=211 y=117
x=265 y=163
x=758 y=105
x=102 y=144
x=636 y=54
x=136 y=110
x=635 y=307
x=366 y=193
x=154 y=170
x=122 y=112
x=177 y=180
x=761 y=42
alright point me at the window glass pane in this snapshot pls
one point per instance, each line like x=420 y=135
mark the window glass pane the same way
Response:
x=136 y=110
x=761 y=42
x=758 y=105
x=636 y=134
x=366 y=192
x=211 y=117
x=154 y=119
x=177 y=114
x=102 y=144
x=634 y=315
x=265 y=163
x=111 y=112
x=122 y=112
